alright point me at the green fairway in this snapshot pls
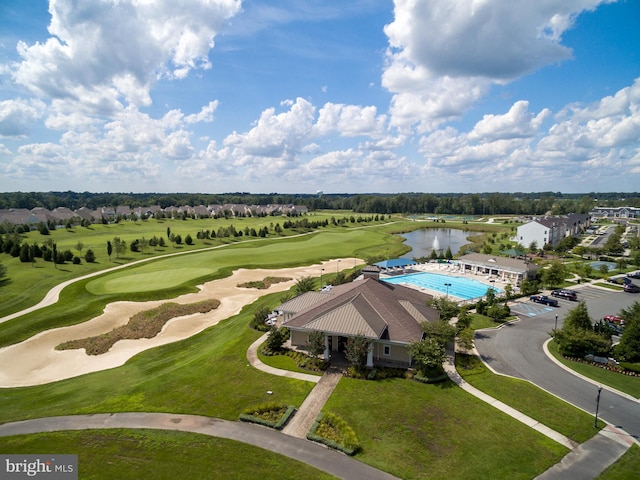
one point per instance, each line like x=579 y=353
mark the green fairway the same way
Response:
x=27 y=284
x=153 y=454
x=145 y=282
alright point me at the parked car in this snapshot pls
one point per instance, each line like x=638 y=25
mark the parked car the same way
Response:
x=566 y=294
x=631 y=288
x=613 y=319
x=617 y=329
x=552 y=302
x=633 y=275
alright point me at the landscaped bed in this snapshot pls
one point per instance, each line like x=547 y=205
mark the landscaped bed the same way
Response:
x=273 y=414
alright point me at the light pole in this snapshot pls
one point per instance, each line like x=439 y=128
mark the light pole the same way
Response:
x=595 y=421
x=337 y=266
x=447 y=285
x=556 y=327
x=321 y=270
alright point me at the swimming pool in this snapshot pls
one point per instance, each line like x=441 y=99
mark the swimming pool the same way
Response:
x=461 y=287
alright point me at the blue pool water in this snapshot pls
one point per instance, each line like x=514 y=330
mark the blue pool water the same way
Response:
x=597 y=265
x=461 y=287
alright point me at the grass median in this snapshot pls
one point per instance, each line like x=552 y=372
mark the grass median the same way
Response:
x=528 y=399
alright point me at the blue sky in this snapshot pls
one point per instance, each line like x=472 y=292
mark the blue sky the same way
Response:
x=346 y=97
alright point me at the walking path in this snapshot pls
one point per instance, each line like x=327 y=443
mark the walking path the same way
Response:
x=450 y=368
x=301 y=422
x=330 y=461
x=591 y=458
x=304 y=417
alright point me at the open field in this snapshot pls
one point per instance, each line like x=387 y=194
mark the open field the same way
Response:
x=206 y=375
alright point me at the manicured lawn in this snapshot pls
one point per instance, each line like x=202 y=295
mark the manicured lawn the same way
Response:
x=153 y=454
x=479 y=322
x=627 y=384
x=529 y=399
x=413 y=430
x=283 y=362
x=207 y=374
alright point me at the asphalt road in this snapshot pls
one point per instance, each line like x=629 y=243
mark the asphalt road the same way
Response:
x=517 y=350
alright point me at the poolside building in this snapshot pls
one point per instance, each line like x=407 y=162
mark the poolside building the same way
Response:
x=508 y=270
x=390 y=316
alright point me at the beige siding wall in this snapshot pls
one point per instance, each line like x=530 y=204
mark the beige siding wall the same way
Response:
x=299 y=339
x=398 y=353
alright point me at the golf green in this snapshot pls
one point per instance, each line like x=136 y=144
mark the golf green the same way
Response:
x=145 y=282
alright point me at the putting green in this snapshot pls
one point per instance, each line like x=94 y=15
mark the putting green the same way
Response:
x=145 y=282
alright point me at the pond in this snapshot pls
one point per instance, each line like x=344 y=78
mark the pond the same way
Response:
x=424 y=240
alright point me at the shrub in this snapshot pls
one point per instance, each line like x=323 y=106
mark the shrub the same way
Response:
x=89 y=257
x=259 y=317
x=334 y=432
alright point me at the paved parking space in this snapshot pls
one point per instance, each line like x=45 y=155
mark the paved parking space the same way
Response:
x=530 y=309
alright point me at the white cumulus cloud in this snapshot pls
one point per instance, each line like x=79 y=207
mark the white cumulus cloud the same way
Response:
x=443 y=56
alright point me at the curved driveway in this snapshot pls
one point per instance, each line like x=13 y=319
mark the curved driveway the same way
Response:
x=517 y=350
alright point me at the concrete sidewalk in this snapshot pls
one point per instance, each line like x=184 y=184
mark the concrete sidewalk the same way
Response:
x=591 y=458
x=252 y=356
x=301 y=422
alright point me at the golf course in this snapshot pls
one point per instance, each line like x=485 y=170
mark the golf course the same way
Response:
x=198 y=365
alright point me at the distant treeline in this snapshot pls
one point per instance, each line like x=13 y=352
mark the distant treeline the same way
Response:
x=424 y=203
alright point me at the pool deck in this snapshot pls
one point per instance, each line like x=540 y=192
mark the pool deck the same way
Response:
x=443 y=269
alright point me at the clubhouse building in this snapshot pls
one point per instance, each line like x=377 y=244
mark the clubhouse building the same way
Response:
x=390 y=316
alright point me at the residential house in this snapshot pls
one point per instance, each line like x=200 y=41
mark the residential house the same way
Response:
x=616 y=212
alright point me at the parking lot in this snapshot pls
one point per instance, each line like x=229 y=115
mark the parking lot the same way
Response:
x=600 y=302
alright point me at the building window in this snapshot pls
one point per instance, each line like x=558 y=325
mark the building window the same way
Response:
x=387 y=350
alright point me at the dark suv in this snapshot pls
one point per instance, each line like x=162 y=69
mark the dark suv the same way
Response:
x=552 y=302
x=566 y=294
x=631 y=288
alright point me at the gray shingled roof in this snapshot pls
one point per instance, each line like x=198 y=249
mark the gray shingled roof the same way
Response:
x=364 y=307
x=505 y=263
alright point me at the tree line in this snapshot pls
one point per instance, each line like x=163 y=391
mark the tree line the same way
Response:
x=536 y=203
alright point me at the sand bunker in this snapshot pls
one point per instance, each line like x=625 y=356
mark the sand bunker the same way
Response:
x=35 y=361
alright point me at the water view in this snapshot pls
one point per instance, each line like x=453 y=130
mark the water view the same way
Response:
x=424 y=240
